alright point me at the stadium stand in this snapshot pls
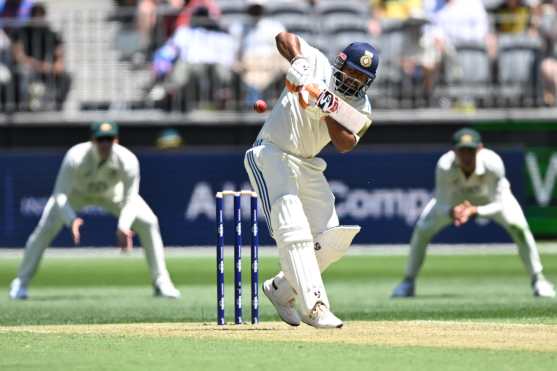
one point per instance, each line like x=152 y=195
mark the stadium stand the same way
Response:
x=109 y=59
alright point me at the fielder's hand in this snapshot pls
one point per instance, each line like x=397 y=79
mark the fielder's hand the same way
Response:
x=298 y=74
x=463 y=212
x=76 y=234
x=125 y=240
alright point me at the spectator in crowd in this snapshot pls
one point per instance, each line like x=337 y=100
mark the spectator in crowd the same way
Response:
x=39 y=54
x=154 y=22
x=196 y=58
x=455 y=22
x=399 y=26
x=18 y=11
x=256 y=43
x=190 y=6
x=549 y=64
x=460 y=21
x=514 y=16
x=389 y=11
x=7 y=88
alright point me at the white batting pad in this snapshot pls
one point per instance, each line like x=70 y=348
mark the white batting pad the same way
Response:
x=300 y=268
x=332 y=244
x=297 y=257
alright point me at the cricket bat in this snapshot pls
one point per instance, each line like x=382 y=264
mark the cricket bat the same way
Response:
x=338 y=109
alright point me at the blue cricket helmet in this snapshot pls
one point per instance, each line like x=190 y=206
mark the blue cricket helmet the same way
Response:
x=362 y=57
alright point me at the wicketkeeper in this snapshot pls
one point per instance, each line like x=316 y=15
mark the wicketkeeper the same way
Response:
x=470 y=181
x=288 y=177
x=102 y=173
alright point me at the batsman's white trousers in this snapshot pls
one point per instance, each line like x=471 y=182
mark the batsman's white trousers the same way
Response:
x=274 y=174
x=435 y=217
x=146 y=225
x=282 y=180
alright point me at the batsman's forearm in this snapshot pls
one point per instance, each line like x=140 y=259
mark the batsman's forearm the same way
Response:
x=288 y=45
x=343 y=140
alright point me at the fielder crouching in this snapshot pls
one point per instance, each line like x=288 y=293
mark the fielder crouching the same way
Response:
x=288 y=177
x=101 y=173
x=470 y=181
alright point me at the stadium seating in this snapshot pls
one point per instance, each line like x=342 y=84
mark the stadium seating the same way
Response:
x=99 y=50
x=468 y=75
x=517 y=64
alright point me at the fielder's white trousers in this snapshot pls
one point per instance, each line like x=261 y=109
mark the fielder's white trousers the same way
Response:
x=146 y=225
x=435 y=217
x=275 y=176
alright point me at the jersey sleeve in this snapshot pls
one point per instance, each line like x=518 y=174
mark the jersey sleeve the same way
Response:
x=63 y=187
x=496 y=167
x=131 y=191
x=310 y=52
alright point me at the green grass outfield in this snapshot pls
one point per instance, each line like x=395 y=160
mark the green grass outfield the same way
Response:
x=473 y=312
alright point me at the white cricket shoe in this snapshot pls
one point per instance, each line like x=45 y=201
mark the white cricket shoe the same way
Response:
x=164 y=288
x=286 y=311
x=18 y=291
x=322 y=317
x=405 y=289
x=543 y=288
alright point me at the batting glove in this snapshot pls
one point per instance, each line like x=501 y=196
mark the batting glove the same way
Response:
x=299 y=72
x=309 y=103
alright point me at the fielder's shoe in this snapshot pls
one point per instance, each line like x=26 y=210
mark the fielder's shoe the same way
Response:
x=543 y=288
x=322 y=317
x=286 y=311
x=406 y=289
x=18 y=291
x=164 y=288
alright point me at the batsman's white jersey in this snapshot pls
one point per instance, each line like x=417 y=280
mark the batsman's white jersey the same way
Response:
x=296 y=198
x=300 y=132
x=489 y=190
x=84 y=180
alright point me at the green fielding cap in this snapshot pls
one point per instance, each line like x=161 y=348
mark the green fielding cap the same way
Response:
x=467 y=138
x=104 y=129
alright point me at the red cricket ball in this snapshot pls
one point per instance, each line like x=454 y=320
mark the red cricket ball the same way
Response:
x=260 y=106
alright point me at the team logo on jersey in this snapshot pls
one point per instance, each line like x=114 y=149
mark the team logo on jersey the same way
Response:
x=328 y=102
x=366 y=59
x=105 y=126
x=317 y=246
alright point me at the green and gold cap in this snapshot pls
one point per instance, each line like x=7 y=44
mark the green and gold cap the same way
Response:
x=104 y=129
x=467 y=138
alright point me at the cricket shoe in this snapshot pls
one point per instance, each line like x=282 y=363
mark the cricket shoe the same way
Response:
x=406 y=289
x=18 y=291
x=286 y=311
x=321 y=317
x=164 y=288
x=543 y=288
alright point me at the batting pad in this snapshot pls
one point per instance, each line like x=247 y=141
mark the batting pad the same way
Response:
x=296 y=253
x=299 y=264
x=333 y=244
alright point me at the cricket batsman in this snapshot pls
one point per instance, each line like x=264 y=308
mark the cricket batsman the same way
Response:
x=288 y=177
x=470 y=182
x=103 y=173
